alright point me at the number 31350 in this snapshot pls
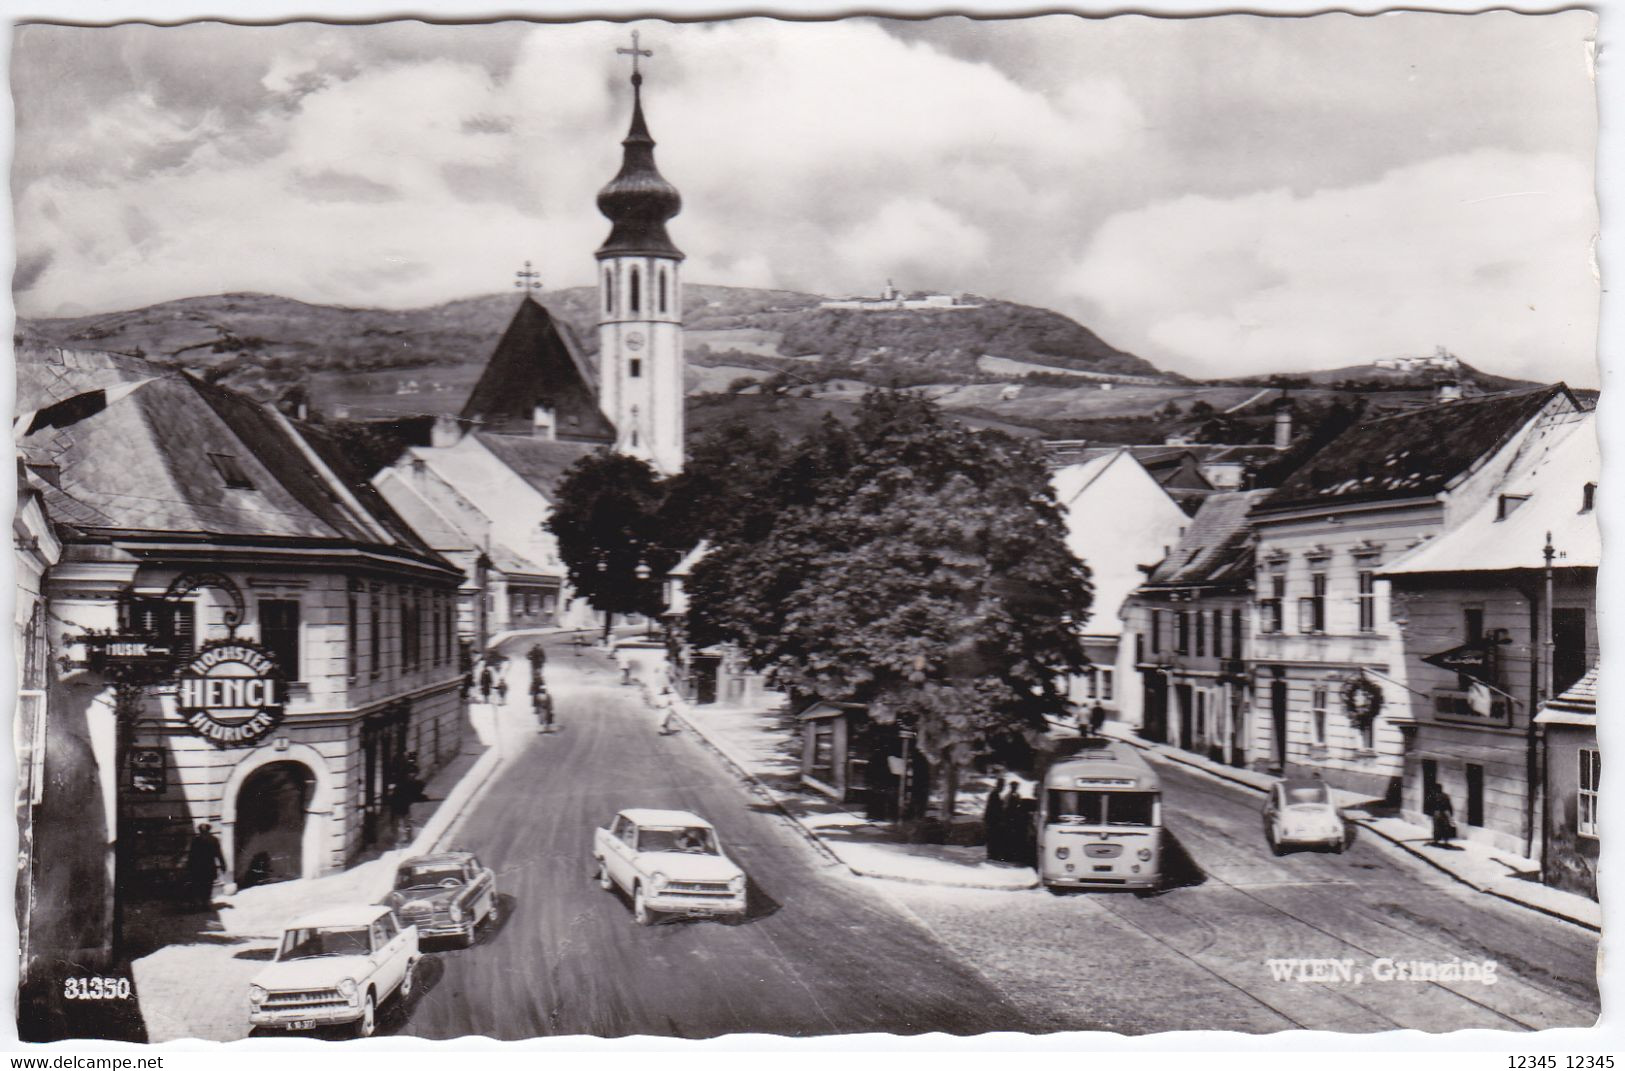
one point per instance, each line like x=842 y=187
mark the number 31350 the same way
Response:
x=97 y=989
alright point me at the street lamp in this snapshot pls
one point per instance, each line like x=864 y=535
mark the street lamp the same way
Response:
x=643 y=572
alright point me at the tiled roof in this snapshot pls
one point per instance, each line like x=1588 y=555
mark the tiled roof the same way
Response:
x=1410 y=454
x=1216 y=548
x=163 y=459
x=1580 y=698
x=537 y=362
x=539 y=462
x=513 y=563
x=48 y=374
x=1547 y=493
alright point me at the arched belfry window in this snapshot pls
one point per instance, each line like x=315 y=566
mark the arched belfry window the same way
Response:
x=635 y=293
x=662 y=289
x=609 y=290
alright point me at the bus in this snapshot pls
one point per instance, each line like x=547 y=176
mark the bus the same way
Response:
x=1100 y=820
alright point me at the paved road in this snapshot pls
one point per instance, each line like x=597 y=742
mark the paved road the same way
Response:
x=1196 y=957
x=821 y=953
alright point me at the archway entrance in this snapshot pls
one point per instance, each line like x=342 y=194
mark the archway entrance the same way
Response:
x=270 y=833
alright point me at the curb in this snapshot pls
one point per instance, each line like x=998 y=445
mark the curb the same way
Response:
x=807 y=833
x=1369 y=825
x=457 y=802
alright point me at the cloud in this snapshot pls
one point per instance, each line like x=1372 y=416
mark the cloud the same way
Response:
x=1485 y=253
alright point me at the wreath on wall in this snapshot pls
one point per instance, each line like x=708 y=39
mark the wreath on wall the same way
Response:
x=1362 y=698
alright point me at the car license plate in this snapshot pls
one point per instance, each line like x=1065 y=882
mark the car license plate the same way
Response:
x=302 y=1024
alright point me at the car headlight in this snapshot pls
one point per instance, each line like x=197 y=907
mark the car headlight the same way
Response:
x=736 y=884
x=1062 y=853
x=256 y=994
x=1145 y=855
x=657 y=881
x=456 y=912
x=346 y=989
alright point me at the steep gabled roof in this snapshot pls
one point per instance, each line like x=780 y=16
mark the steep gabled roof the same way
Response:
x=537 y=362
x=1217 y=548
x=1411 y=454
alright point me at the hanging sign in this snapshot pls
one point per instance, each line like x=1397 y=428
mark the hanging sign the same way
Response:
x=231 y=693
x=1472 y=659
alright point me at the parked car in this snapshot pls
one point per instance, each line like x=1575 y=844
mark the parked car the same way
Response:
x=333 y=967
x=448 y=894
x=668 y=862
x=1300 y=814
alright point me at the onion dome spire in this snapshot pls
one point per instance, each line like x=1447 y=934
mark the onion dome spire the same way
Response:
x=638 y=201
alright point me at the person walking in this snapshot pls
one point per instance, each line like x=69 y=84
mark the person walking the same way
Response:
x=1443 y=813
x=1097 y=719
x=485 y=682
x=541 y=703
x=993 y=822
x=203 y=861
x=502 y=688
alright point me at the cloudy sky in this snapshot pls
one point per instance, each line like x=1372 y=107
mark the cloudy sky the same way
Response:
x=1220 y=195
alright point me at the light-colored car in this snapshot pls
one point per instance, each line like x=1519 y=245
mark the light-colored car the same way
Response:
x=1300 y=814
x=447 y=894
x=668 y=862
x=333 y=967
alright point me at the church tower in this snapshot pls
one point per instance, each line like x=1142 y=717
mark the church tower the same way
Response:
x=640 y=320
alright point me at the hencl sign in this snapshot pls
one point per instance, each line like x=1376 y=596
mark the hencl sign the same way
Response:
x=231 y=693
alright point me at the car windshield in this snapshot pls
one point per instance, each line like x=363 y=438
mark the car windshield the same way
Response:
x=694 y=840
x=1069 y=807
x=418 y=877
x=1300 y=795
x=316 y=941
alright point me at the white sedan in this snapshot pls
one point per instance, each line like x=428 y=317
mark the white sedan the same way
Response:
x=668 y=862
x=1300 y=814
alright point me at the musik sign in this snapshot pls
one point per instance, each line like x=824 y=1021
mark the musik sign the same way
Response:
x=231 y=693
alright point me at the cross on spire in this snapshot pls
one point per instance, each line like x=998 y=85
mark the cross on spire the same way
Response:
x=528 y=279
x=635 y=52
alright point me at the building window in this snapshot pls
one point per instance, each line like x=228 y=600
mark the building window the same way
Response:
x=1218 y=634
x=231 y=470
x=1156 y=631
x=1317 y=715
x=1106 y=685
x=609 y=290
x=1201 y=714
x=352 y=623
x=1182 y=635
x=1368 y=600
x=1569 y=650
x=172 y=622
x=662 y=289
x=279 y=633
x=1271 y=608
x=1472 y=620
x=1318 y=601
x=1368 y=734
x=1235 y=634
x=1201 y=632
x=634 y=291
x=1590 y=782
x=375 y=634
x=634 y=367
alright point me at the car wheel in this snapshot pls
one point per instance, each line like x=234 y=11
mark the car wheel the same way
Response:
x=408 y=981
x=367 y=1025
x=642 y=913
x=468 y=934
x=605 y=882
x=494 y=915
x=1275 y=845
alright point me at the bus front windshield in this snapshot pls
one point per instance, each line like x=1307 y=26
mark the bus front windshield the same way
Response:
x=1070 y=807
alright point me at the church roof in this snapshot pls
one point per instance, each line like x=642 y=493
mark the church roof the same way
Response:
x=537 y=362
x=638 y=200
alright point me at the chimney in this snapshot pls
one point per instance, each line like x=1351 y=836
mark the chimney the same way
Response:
x=1283 y=424
x=1447 y=390
x=542 y=426
x=445 y=432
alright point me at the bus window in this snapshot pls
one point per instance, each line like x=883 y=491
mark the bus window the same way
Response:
x=1068 y=807
x=1131 y=808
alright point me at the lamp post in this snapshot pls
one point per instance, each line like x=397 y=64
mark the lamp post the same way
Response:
x=643 y=572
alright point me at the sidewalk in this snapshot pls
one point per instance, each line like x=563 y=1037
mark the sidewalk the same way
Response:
x=1478 y=866
x=760 y=744
x=195 y=984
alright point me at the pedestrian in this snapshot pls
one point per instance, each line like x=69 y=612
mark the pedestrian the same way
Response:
x=1097 y=719
x=538 y=657
x=1010 y=824
x=502 y=689
x=993 y=822
x=542 y=705
x=1443 y=814
x=203 y=861
x=485 y=682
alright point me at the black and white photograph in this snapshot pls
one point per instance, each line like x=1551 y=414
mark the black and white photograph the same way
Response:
x=1069 y=524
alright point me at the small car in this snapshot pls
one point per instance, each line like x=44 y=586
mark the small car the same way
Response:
x=334 y=967
x=1299 y=813
x=447 y=894
x=668 y=862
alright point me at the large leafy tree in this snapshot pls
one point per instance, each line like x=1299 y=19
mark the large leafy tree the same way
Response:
x=910 y=564
x=606 y=517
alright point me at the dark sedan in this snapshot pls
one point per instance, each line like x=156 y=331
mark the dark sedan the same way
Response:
x=448 y=894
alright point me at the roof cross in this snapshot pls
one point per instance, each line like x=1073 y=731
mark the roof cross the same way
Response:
x=528 y=279
x=634 y=52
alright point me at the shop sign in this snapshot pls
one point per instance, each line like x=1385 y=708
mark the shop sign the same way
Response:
x=231 y=693
x=1473 y=659
x=147 y=772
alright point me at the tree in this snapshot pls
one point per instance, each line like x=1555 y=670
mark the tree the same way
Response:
x=912 y=565
x=606 y=518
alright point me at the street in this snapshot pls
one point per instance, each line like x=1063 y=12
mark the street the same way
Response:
x=824 y=952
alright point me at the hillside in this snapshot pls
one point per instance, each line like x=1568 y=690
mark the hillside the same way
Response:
x=1374 y=378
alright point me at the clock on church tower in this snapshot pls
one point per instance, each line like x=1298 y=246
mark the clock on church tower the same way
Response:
x=640 y=321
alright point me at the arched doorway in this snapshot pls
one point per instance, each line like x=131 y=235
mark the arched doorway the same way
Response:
x=270 y=831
